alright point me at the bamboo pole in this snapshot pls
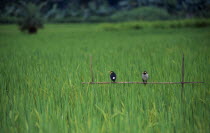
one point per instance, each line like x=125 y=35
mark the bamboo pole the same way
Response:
x=141 y=82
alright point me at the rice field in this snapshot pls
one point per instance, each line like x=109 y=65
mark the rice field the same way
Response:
x=41 y=76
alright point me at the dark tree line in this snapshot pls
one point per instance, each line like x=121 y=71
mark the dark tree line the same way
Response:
x=190 y=5
x=98 y=10
x=30 y=14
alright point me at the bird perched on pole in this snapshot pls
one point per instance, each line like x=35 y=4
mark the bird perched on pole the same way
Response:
x=145 y=77
x=113 y=76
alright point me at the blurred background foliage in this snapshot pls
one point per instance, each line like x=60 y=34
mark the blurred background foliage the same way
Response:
x=64 y=11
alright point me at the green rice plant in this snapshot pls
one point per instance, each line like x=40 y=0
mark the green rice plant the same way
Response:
x=41 y=76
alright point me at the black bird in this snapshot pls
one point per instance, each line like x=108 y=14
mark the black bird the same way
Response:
x=113 y=76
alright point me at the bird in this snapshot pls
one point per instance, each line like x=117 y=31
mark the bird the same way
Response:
x=113 y=76
x=145 y=77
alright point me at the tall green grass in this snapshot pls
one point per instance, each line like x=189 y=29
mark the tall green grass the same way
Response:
x=41 y=75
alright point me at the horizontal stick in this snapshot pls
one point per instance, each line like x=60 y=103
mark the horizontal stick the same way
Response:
x=140 y=82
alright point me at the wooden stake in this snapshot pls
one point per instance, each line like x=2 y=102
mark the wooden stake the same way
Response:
x=183 y=72
x=91 y=70
x=182 y=92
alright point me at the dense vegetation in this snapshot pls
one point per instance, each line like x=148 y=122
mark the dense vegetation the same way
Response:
x=41 y=75
x=107 y=10
x=138 y=25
